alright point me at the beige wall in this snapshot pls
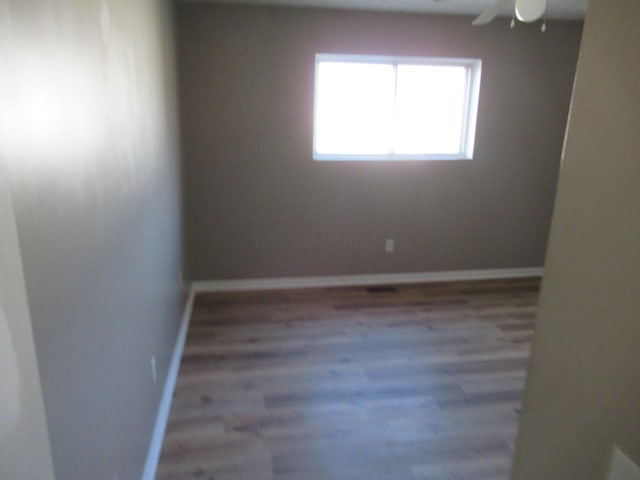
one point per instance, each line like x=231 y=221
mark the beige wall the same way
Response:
x=259 y=206
x=88 y=134
x=583 y=393
x=24 y=442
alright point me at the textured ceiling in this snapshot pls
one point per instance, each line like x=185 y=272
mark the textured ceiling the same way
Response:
x=558 y=9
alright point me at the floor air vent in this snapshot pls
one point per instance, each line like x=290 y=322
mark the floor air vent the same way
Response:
x=381 y=290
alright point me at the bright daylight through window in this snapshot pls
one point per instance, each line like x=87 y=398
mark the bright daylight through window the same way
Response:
x=395 y=108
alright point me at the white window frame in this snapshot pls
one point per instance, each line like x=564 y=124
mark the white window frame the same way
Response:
x=473 y=67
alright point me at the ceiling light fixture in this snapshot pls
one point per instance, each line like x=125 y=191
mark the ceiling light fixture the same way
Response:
x=525 y=10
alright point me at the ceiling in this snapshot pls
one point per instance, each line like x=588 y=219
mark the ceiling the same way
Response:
x=557 y=9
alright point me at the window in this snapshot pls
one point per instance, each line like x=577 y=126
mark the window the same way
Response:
x=395 y=108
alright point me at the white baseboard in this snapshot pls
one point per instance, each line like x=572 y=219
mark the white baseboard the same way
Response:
x=355 y=280
x=155 y=447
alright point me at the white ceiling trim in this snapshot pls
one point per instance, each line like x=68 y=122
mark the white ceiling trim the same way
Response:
x=557 y=9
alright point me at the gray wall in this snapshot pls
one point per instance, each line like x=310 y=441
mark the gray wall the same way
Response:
x=89 y=135
x=258 y=205
x=583 y=392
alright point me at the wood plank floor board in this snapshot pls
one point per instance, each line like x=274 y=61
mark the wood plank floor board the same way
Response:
x=418 y=381
x=493 y=468
x=433 y=450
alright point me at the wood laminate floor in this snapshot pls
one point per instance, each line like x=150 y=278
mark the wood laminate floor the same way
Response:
x=419 y=382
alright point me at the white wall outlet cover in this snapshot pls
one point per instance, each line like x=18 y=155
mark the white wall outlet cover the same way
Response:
x=389 y=245
x=530 y=10
x=9 y=380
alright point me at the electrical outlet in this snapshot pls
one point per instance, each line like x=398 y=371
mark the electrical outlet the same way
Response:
x=389 y=245
x=154 y=373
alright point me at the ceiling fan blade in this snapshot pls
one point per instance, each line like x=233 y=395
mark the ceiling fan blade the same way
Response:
x=490 y=13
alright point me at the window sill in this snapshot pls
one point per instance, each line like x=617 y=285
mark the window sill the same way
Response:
x=390 y=158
